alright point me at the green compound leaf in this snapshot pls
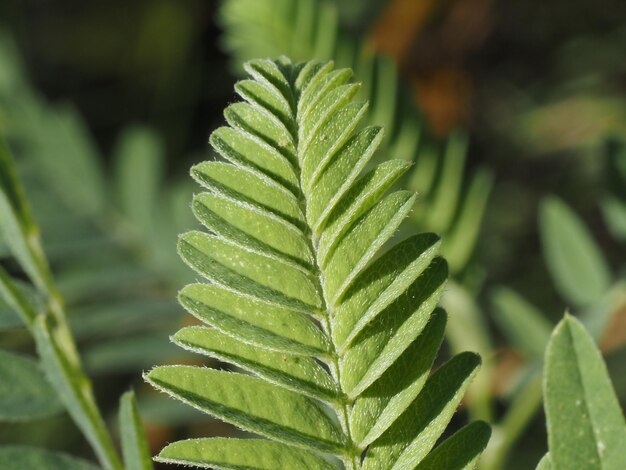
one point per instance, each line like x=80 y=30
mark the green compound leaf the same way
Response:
x=134 y=444
x=25 y=457
x=380 y=284
x=386 y=338
x=24 y=392
x=305 y=29
x=576 y=264
x=332 y=321
x=240 y=454
x=586 y=427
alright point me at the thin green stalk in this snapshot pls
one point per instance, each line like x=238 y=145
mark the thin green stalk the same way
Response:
x=75 y=386
x=61 y=363
x=47 y=322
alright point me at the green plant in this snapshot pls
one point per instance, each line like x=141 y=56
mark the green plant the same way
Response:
x=108 y=237
x=586 y=427
x=306 y=29
x=107 y=234
x=449 y=205
x=42 y=311
x=582 y=276
x=338 y=338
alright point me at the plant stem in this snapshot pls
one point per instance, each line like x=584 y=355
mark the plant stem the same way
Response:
x=47 y=321
x=80 y=401
x=57 y=350
x=351 y=460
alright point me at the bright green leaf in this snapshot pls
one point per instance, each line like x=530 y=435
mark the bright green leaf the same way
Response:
x=240 y=454
x=586 y=427
x=293 y=372
x=413 y=435
x=382 y=403
x=381 y=283
x=251 y=404
x=253 y=321
x=363 y=194
x=256 y=275
x=385 y=339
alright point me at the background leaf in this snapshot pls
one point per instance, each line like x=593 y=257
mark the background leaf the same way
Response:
x=579 y=270
x=586 y=427
x=23 y=458
x=135 y=448
x=139 y=161
x=527 y=329
x=24 y=392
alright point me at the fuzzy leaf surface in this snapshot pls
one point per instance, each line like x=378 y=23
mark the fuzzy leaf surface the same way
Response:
x=252 y=404
x=240 y=454
x=330 y=320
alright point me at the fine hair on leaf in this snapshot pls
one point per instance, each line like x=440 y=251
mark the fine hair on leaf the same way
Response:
x=331 y=322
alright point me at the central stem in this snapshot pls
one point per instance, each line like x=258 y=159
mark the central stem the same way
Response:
x=351 y=461
x=342 y=408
